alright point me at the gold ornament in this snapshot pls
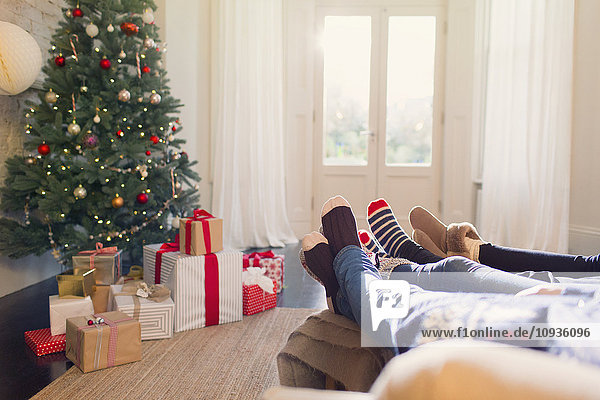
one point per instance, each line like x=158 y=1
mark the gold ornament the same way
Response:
x=80 y=192
x=30 y=160
x=117 y=202
x=110 y=28
x=83 y=89
x=122 y=54
x=124 y=95
x=74 y=128
x=51 y=97
x=140 y=99
x=155 y=98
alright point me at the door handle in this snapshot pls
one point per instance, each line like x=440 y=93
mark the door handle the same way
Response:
x=367 y=133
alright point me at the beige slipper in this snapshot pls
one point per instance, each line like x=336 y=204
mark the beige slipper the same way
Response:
x=463 y=240
x=424 y=221
x=425 y=241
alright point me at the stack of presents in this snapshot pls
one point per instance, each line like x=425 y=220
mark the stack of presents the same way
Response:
x=100 y=317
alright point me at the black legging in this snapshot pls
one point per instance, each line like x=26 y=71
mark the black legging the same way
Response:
x=517 y=260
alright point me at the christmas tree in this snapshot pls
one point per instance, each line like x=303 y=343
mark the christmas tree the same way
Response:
x=102 y=162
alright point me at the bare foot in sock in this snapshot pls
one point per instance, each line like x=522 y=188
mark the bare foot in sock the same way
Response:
x=318 y=263
x=339 y=224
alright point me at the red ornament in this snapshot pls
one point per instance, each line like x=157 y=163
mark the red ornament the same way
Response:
x=90 y=322
x=174 y=128
x=105 y=63
x=129 y=28
x=59 y=61
x=142 y=198
x=148 y=152
x=77 y=12
x=154 y=139
x=145 y=69
x=120 y=133
x=44 y=149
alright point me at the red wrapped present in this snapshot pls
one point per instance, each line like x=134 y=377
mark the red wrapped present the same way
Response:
x=272 y=263
x=259 y=293
x=42 y=342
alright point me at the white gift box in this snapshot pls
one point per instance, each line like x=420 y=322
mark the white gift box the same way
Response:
x=62 y=308
x=207 y=289
x=156 y=318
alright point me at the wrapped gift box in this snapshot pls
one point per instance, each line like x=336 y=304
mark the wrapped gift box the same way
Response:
x=77 y=282
x=106 y=261
x=200 y=234
x=114 y=341
x=100 y=298
x=61 y=309
x=257 y=300
x=152 y=270
x=207 y=290
x=42 y=342
x=272 y=263
x=155 y=317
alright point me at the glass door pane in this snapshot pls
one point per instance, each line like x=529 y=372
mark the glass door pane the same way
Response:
x=346 y=77
x=410 y=82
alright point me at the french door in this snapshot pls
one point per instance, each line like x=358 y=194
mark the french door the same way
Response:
x=378 y=107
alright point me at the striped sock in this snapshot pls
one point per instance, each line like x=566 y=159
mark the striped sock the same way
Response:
x=391 y=236
x=368 y=243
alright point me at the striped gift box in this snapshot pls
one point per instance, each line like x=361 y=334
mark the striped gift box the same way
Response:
x=156 y=319
x=207 y=289
x=42 y=342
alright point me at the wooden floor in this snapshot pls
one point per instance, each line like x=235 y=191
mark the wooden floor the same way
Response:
x=23 y=374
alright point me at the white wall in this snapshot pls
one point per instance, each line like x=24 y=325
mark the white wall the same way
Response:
x=585 y=158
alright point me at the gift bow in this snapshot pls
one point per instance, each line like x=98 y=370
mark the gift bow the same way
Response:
x=256 y=257
x=164 y=248
x=156 y=293
x=256 y=276
x=100 y=249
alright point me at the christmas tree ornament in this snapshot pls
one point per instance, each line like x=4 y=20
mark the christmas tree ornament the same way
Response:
x=68 y=13
x=44 y=149
x=73 y=128
x=159 y=64
x=124 y=95
x=92 y=30
x=148 y=16
x=83 y=89
x=110 y=28
x=90 y=141
x=51 y=97
x=77 y=12
x=117 y=202
x=105 y=63
x=30 y=160
x=155 y=98
x=96 y=119
x=120 y=133
x=148 y=152
x=149 y=43
x=144 y=173
x=140 y=99
x=177 y=185
x=174 y=128
x=80 y=192
x=59 y=61
x=171 y=137
x=129 y=28
x=122 y=54
x=145 y=69
x=175 y=222
x=154 y=139
x=142 y=198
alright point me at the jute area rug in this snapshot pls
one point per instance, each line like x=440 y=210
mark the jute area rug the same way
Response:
x=230 y=361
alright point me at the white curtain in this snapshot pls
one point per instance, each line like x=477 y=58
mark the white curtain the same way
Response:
x=248 y=168
x=526 y=160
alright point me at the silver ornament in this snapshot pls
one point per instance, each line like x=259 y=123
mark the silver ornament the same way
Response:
x=149 y=43
x=100 y=320
x=175 y=222
x=177 y=185
x=122 y=54
x=155 y=98
x=73 y=128
x=80 y=192
x=91 y=30
x=97 y=119
x=124 y=95
x=110 y=28
x=148 y=16
x=51 y=97
x=144 y=174
x=171 y=137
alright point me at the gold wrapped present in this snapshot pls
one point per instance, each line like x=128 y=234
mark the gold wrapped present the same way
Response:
x=111 y=338
x=106 y=261
x=76 y=283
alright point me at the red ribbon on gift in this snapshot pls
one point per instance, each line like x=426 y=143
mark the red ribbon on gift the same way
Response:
x=165 y=248
x=100 y=249
x=256 y=257
x=211 y=289
x=202 y=216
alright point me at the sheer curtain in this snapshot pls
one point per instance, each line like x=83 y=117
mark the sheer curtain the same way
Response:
x=527 y=130
x=248 y=168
